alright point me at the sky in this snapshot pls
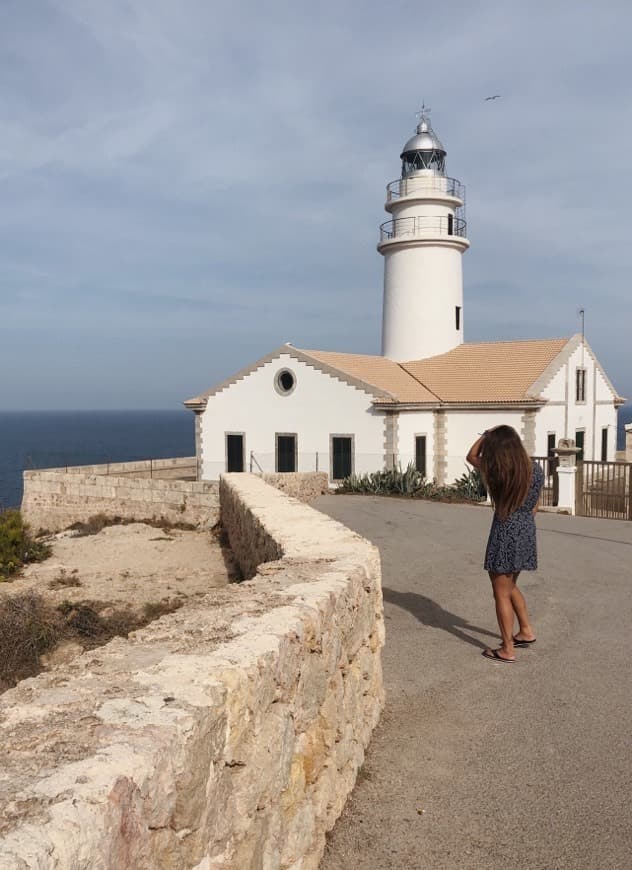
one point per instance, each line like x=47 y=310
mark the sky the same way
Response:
x=187 y=184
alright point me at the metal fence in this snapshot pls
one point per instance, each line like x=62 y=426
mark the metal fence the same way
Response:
x=604 y=489
x=549 y=491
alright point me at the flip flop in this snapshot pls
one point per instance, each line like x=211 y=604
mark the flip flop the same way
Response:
x=523 y=642
x=493 y=654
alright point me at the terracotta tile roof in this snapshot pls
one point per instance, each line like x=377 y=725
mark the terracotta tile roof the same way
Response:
x=379 y=371
x=500 y=371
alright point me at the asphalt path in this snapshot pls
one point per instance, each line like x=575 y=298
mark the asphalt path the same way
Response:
x=478 y=765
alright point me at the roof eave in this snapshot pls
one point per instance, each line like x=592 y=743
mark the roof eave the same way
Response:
x=487 y=405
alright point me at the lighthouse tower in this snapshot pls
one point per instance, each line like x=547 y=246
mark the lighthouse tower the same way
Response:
x=422 y=247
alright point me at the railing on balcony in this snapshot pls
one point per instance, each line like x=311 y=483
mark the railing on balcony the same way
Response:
x=424 y=184
x=423 y=226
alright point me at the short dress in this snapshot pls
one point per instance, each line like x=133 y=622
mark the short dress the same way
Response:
x=511 y=546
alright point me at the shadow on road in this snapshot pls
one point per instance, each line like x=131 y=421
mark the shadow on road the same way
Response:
x=429 y=613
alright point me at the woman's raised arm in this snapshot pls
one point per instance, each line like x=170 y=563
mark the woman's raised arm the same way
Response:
x=474 y=453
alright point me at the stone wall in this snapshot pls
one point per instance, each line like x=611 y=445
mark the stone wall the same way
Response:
x=305 y=486
x=55 y=498
x=224 y=736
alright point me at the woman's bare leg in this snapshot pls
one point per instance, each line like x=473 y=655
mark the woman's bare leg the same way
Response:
x=520 y=609
x=503 y=584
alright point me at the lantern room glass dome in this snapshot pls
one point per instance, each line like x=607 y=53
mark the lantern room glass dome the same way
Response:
x=423 y=151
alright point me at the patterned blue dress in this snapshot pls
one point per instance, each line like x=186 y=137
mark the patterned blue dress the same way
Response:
x=511 y=546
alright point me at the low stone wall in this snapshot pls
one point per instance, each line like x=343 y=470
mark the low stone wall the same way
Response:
x=305 y=486
x=55 y=498
x=224 y=736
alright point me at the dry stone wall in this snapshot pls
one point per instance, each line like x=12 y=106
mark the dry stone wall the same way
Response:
x=224 y=736
x=305 y=486
x=56 y=498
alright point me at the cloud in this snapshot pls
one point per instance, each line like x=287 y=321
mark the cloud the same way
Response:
x=215 y=173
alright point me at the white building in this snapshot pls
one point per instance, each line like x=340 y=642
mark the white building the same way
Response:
x=428 y=395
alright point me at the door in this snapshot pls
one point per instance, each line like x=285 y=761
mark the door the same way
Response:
x=234 y=452
x=286 y=453
x=550 y=444
x=341 y=456
x=420 y=454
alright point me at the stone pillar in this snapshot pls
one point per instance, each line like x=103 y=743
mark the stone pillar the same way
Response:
x=528 y=431
x=566 y=474
x=566 y=488
x=391 y=433
x=198 y=444
x=440 y=446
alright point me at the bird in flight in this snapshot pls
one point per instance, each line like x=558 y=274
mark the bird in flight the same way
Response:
x=495 y=97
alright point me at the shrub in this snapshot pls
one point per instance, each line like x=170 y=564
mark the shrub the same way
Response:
x=411 y=482
x=28 y=627
x=387 y=482
x=17 y=545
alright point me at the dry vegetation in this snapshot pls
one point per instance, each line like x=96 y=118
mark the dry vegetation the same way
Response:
x=90 y=591
x=30 y=626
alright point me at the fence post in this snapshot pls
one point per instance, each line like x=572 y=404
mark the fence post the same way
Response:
x=316 y=469
x=567 y=477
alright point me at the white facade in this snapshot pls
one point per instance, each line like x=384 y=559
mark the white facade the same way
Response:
x=320 y=406
x=317 y=408
x=568 y=415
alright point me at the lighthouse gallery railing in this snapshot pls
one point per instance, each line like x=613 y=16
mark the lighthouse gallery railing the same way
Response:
x=423 y=226
x=425 y=184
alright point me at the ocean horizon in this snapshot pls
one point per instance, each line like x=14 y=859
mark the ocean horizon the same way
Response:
x=50 y=439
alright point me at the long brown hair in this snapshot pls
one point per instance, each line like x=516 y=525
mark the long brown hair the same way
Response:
x=506 y=469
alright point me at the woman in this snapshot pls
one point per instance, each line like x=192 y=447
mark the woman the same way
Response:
x=514 y=483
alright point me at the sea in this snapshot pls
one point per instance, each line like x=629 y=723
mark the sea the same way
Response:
x=36 y=439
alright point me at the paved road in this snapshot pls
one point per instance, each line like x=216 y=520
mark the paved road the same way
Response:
x=482 y=766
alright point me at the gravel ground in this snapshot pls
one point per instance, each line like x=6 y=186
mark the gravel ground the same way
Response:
x=478 y=765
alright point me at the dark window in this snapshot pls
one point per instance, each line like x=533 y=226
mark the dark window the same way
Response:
x=604 y=444
x=286 y=453
x=234 y=453
x=342 y=459
x=579 y=442
x=450 y=224
x=580 y=385
x=420 y=454
x=550 y=444
x=457 y=312
x=285 y=381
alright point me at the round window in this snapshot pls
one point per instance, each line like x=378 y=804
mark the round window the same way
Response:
x=284 y=382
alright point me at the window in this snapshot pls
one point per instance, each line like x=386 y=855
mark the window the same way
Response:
x=580 y=385
x=286 y=450
x=420 y=454
x=450 y=225
x=579 y=442
x=284 y=382
x=457 y=313
x=604 y=444
x=341 y=456
x=234 y=452
x=550 y=444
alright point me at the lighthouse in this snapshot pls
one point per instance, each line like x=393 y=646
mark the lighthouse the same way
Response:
x=422 y=245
